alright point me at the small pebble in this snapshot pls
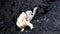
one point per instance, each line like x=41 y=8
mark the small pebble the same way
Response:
x=38 y=20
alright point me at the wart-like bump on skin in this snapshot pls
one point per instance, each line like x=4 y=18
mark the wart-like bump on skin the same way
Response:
x=24 y=19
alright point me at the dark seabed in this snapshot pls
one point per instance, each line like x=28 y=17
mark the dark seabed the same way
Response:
x=46 y=20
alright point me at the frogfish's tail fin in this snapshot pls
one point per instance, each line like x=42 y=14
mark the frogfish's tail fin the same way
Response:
x=34 y=11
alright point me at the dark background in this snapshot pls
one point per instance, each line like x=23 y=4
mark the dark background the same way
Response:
x=46 y=20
